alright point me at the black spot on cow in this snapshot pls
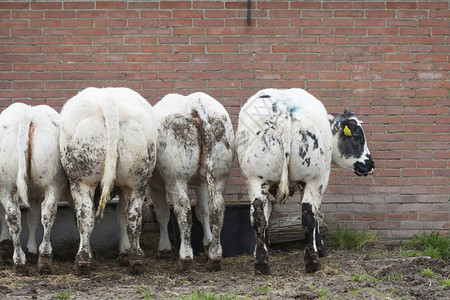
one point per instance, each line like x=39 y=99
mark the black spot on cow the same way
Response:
x=308 y=161
x=314 y=138
x=264 y=96
x=274 y=107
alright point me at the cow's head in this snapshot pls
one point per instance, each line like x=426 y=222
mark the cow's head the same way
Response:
x=350 y=149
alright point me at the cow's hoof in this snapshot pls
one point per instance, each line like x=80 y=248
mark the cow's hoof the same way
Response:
x=83 y=268
x=163 y=254
x=32 y=258
x=213 y=265
x=136 y=267
x=124 y=260
x=184 y=265
x=262 y=269
x=6 y=251
x=45 y=264
x=312 y=267
x=323 y=252
x=21 y=269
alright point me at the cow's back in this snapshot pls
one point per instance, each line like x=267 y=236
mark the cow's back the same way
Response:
x=42 y=146
x=180 y=139
x=272 y=116
x=45 y=146
x=8 y=143
x=84 y=136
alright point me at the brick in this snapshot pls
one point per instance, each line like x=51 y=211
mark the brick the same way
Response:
x=176 y=22
x=188 y=49
x=208 y=4
x=418 y=14
x=175 y=5
x=221 y=31
x=370 y=217
x=401 y=5
x=110 y=5
x=405 y=216
x=434 y=216
x=222 y=48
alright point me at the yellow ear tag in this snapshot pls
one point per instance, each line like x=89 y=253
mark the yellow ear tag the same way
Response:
x=347 y=131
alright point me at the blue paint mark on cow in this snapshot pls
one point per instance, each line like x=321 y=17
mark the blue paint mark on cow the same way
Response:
x=287 y=103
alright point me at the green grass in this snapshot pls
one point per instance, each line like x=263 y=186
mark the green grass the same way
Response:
x=357 y=278
x=353 y=292
x=64 y=294
x=431 y=244
x=444 y=283
x=146 y=294
x=351 y=238
x=429 y=273
x=206 y=295
x=397 y=276
x=322 y=292
x=262 y=289
x=365 y=277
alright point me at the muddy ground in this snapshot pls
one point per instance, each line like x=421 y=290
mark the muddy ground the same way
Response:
x=374 y=272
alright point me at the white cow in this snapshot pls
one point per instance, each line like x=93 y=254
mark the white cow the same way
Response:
x=286 y=139
x=196 y=147
x=108 y=138
x=30 y=171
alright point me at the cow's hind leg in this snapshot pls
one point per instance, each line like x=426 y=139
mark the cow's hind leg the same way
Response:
x=217 y=215
x=84 y=212
x=48 y=207
x=162 y=212
x=6 y=245
x=310 y=208
x=182 y=207
x=122 y=220
x=13 y=220
x=202 y=210
x=134 y=226
x=33 y=216
x=319 y=242
x=259 y=217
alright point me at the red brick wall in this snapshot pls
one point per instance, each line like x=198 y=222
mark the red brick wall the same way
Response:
x=387 y=61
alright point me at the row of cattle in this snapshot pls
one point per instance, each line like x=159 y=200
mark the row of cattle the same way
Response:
x=112 y=140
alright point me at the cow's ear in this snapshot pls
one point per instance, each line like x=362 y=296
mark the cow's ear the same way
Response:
x=348 y=127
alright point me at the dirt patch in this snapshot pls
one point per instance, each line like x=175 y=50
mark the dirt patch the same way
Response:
x=364 y=274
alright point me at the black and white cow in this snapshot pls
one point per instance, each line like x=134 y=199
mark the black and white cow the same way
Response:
x=108 y=137
x=30 y=171
x=287 y=140
x=195 y=147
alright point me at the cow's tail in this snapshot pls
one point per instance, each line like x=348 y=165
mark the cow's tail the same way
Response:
x=24 y=132
x=283 y=187
x=205 y=130
x=111 y=114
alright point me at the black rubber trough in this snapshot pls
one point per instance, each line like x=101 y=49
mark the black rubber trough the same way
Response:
x=237 y=235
